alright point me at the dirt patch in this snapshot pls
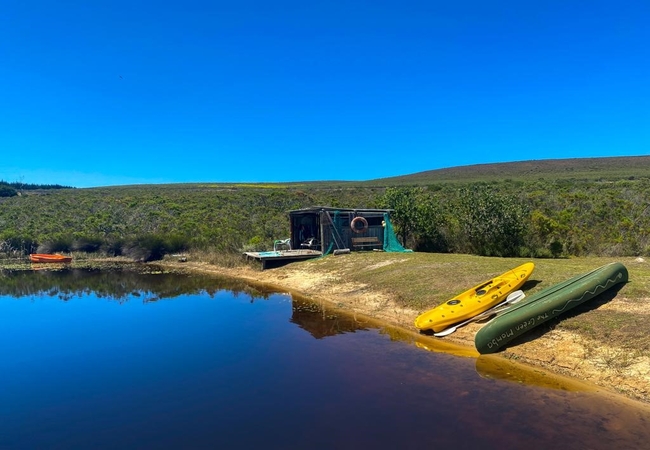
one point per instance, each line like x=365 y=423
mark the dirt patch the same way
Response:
x=383 y=264
x=563 y=352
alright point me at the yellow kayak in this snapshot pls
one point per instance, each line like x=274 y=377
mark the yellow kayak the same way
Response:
x=474 y=301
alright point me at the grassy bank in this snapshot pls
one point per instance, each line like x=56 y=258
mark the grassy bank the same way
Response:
x=421 y=281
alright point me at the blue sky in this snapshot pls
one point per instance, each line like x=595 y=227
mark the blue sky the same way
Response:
x=123 y=92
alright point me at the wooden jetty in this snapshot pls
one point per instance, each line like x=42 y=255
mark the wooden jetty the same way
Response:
x=280 y=257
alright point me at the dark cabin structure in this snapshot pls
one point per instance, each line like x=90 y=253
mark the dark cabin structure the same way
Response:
x=321 y=230
x=329 y=229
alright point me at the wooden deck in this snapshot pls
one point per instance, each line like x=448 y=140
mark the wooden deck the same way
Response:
x=281 y=257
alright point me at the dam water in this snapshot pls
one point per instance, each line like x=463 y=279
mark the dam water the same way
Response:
x=123 y=358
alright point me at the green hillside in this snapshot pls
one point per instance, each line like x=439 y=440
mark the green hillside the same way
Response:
x=582 y=169
x=541 y=208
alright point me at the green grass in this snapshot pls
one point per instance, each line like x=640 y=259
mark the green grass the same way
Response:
x=421 y=281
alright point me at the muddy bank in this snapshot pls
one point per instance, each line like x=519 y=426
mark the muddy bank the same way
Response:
x=558 y=351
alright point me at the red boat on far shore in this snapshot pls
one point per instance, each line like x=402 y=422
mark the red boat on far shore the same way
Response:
x=49 y=258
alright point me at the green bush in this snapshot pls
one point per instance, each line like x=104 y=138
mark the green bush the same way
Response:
x=6 y=191
x=112 y=247
x=145 y=248
x=88 y=244
x=494 y=223
x=153 y=247
x=19 y=245
x=175 y=243
x=56 y=243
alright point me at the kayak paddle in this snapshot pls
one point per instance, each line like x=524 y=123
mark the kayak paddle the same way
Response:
x=512 y=298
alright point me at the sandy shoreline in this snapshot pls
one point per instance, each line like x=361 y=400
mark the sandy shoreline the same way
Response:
x=557 y=352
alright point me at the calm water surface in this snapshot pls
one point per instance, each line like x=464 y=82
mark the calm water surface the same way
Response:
x=121 y=359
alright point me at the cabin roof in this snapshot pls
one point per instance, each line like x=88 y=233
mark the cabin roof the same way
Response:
x=315 y=209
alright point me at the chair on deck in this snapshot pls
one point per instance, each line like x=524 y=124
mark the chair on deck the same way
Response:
x=278 y=243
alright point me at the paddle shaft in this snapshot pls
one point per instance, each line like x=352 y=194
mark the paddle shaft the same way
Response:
x=514 y=297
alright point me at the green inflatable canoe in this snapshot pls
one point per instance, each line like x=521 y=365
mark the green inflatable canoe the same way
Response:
x=546 y=304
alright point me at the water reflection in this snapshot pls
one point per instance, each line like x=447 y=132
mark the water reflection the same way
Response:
x=496 y=368
x=321 y=322
x=215 y=367
x=118 y=282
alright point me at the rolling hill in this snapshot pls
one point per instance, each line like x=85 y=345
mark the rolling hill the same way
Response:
x=592 y=169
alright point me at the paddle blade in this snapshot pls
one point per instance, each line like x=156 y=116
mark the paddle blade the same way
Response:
x=515 y=297
x=446 y=332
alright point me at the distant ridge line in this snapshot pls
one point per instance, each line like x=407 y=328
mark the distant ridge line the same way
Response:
x=606 y=167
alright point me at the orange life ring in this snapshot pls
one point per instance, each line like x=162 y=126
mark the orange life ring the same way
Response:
x=357 y=220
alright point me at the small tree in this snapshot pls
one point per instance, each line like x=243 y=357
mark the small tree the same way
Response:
x=494 y=224
x=403 y=202
x=430 y=223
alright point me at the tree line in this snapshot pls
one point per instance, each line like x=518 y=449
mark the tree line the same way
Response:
x=13 y=189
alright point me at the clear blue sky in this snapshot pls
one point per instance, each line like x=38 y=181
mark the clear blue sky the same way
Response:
x=119 y=92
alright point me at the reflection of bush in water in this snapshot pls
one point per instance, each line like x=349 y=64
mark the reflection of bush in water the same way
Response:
x=321 y=323
x=117 y=282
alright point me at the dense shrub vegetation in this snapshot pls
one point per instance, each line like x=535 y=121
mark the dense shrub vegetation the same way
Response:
x=7 y=191
x=145 y=222
x=539 y=218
